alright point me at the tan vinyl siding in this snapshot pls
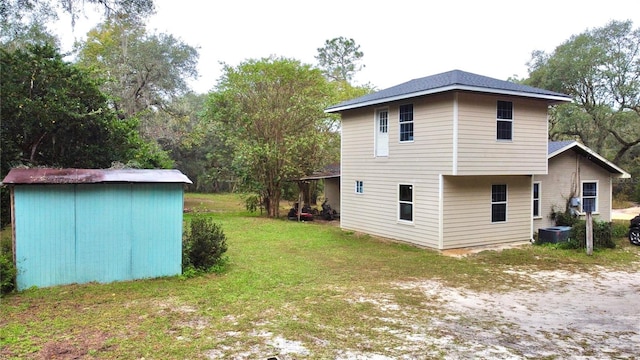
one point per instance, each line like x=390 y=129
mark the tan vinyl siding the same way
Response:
x=567 y=171
x=479 y=153
x=418 y=163
x=332 y=192
x=467 y=211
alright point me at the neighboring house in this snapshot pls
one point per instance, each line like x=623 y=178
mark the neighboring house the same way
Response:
x=444 y=161
x=84 y=225
x=575 y=172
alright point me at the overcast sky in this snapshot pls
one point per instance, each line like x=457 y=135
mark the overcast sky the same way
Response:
x=401 y=39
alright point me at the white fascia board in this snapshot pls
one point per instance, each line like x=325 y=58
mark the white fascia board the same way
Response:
x=623 y=174
x=445 y=89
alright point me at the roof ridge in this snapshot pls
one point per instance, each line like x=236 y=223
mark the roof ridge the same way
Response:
x=449 y=81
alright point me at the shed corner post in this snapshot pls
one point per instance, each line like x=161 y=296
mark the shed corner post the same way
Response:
x=13 y=224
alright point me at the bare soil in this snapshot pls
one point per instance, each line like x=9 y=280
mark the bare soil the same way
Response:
x=565 y=315
x=625 y=214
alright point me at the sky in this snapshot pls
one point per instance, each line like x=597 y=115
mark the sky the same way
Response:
x=401 y=40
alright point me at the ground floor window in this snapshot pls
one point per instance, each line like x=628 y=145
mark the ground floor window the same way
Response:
x=589 y=196
x=405 y=202
x=499 y=203
x=536 y=200
x=359 y=187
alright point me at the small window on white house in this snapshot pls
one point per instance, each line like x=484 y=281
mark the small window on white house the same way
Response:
x=405 y=202
x=359 y=187
x=382 y=132
x=406 y=122
x=536 y=200
x=504 y=127
x=589 y=196
x=498 y=203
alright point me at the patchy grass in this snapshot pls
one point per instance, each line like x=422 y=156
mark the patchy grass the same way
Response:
x=215 y=203
x=311 y=287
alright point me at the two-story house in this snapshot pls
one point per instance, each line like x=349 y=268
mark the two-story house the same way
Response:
x=444 y=161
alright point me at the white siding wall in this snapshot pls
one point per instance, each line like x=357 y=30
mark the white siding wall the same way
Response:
x=566 y=173
x=418 y=163
x=479 y=153
x=467 y=211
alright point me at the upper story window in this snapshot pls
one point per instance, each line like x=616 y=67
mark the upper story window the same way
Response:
x=382 y=133
x=383 y=121
x=406 y=122
x=359 y=187
x=499 y=203
x=589 y=196
x=505 y=121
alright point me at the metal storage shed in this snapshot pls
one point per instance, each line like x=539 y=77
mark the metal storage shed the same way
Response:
x=84 y=225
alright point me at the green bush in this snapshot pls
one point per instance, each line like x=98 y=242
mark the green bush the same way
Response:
x=203 y=245
x=619 y=229
x=564 y=218
x=7 y=267
x=252 y=202
x=602 y=238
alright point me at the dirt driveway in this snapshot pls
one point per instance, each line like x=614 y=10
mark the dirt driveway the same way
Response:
x=625 y=214
x=567 y=315
x=563 y=315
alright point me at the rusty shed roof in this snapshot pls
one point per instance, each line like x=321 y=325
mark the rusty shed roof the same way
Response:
x=89 y=176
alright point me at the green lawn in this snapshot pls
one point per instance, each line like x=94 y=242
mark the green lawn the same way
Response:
x=294 y=281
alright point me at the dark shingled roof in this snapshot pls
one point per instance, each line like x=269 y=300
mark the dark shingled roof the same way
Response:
x=451 y=80
x=89 y=176
x=557 y=145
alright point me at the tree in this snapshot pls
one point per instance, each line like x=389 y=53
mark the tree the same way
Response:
x=12 y=10
x=600 y=68
x=54 y=114
x=143 y=71
x=20 y=29
x=58 y=116
x=271 y=112
x=340 y=59
x=197 y=149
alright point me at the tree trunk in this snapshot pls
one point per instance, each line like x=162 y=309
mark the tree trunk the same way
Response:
x=34 y=148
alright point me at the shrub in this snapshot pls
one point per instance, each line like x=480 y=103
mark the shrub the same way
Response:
x=565 y=218
x=203 y=245
x=601 y=235
x=252 y=202
x=7 y=267
x=619 y=229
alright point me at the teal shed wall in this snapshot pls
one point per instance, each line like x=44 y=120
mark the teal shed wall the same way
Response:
x=104 y=232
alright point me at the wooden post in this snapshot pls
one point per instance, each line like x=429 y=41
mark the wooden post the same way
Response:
x=589 y=233
x=300 y=200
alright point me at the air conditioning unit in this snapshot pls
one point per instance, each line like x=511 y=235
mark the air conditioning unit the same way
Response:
x=554 y=234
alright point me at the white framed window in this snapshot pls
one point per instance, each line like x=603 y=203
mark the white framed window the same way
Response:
x=504 y=125
x=406 y=122
x=589 y=200
x=382 y=132
x=537 y=187
x=498 y=203
x=359 y=187
x=405 y=202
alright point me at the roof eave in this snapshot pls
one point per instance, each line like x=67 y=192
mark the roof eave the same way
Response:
x=551 y=98
x=621 y=174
